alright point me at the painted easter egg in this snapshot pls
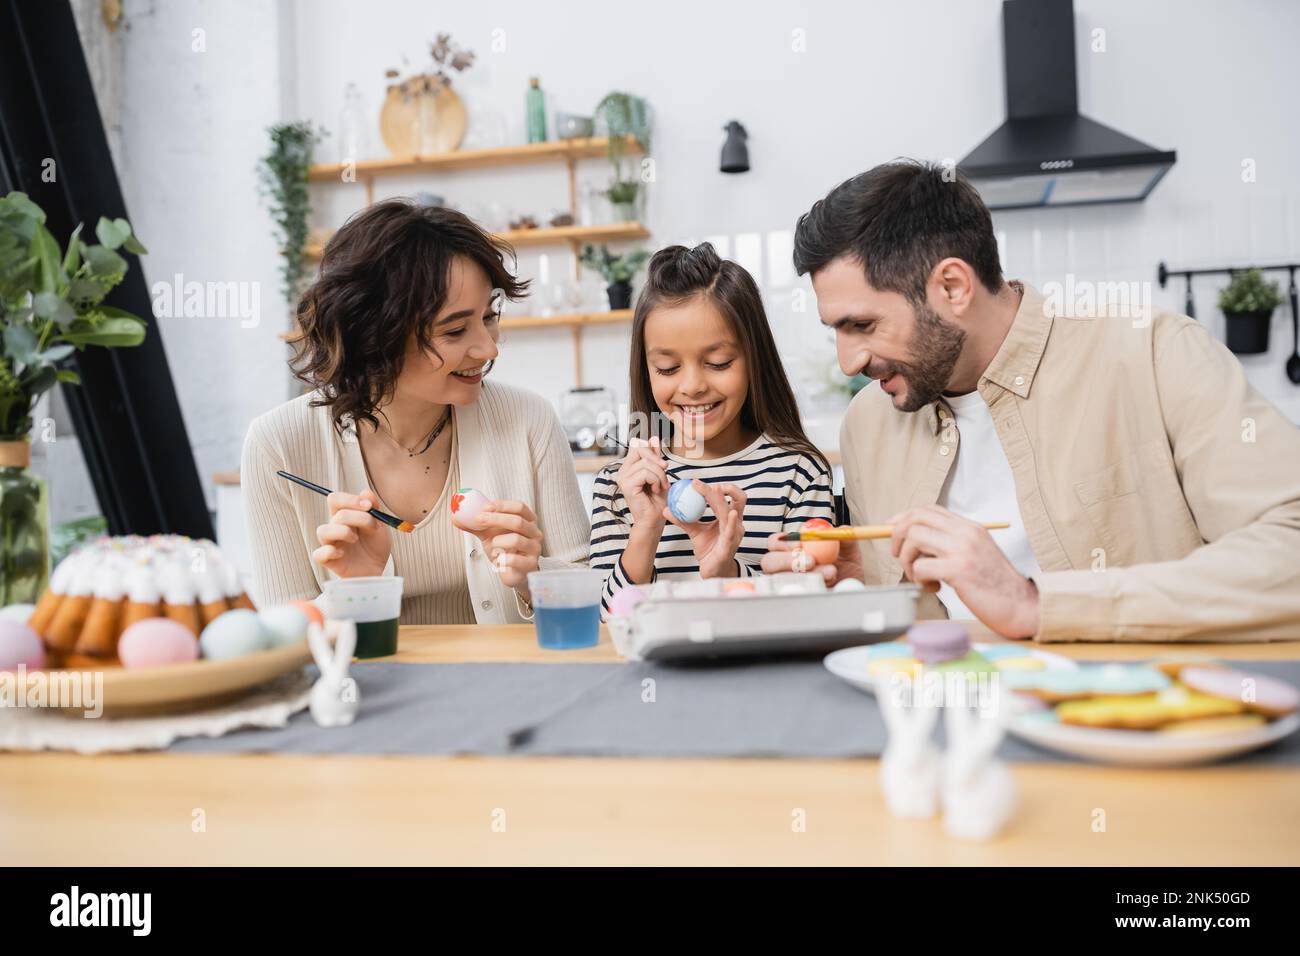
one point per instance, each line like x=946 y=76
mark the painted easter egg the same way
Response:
x=823 y=552
x=157 y=642
x=20 y=645
x=685 y=502
x=234 y=634
x=466 y=504
x=311 y=609
x=849 y=584
x=625 y=601
x=21 y=613
x=284 y=625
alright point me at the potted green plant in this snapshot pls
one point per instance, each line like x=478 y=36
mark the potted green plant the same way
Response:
x=282 y=174
x=620 y=116
x=1248 y=303
x=617 y=271
x=50 y=306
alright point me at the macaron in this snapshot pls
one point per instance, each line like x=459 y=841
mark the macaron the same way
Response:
x=934 y=642
x=20 y=646
x=157 y=642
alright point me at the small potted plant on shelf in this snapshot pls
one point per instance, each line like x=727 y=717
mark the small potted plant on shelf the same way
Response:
x=619 y=116
x=282 y=176
x=1248 y=303
x=617 y=272
x=50 y=306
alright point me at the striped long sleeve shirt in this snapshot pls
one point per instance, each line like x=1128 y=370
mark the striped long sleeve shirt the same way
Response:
x=784 y=488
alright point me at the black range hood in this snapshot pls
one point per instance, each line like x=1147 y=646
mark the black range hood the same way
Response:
x=1046 y=154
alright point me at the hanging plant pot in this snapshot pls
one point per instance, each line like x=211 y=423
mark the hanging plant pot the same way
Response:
x=620 y=295
x=1247 y=332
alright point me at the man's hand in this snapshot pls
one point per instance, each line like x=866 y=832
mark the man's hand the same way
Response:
x=934 y=545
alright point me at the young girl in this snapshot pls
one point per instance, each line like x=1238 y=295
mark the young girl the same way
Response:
x=711 y=402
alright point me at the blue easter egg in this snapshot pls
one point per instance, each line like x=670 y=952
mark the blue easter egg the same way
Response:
x=234 y=634
x=685 y=502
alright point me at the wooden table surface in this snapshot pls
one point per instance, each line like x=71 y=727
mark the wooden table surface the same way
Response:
x=293 y=809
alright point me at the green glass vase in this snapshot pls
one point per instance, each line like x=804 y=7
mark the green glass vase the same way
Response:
x=24 y=527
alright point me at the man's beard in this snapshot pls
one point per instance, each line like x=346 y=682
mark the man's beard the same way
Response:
x=936 y=346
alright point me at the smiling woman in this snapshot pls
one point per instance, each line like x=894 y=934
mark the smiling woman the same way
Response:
x=399 y=333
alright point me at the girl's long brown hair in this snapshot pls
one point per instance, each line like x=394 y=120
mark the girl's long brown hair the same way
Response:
x=676 y=274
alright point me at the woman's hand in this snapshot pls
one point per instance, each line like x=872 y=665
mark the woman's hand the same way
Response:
x=643 y=479
x=715 y=542
x=511 y=540
x=353 y=542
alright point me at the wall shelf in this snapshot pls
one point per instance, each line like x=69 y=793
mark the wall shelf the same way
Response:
x=563 y=321
x=564 y=150
x=542 y=236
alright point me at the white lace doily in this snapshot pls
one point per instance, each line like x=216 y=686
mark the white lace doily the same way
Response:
x=270 y=706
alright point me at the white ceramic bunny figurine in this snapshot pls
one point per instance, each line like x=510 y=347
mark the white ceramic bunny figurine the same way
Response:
x=335 y=698
x=979 y=795
x=909 y=767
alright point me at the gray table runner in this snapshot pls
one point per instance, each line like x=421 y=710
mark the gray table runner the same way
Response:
x=758 y=709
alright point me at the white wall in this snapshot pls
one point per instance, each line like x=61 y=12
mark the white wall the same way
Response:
x=1214 y=81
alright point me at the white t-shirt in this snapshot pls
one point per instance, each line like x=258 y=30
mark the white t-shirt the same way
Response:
x=980 y=486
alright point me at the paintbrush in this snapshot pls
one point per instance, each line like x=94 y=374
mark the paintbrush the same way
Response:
x=865 y=532
x=385 y=517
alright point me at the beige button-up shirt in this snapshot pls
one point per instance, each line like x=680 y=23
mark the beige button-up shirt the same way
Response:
x=1159 y=490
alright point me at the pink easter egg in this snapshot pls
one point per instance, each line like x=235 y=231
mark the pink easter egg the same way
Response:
x=157 y=642
x=625 y=601
x=20 y=645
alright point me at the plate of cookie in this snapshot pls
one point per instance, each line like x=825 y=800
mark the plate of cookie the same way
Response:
x=863 y=667
x=1153 y=715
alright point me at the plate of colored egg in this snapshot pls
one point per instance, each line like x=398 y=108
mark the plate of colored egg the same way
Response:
x=164 y=667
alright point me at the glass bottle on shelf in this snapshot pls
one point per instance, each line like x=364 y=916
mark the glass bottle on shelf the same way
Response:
x=354 y=137
x=536 y=109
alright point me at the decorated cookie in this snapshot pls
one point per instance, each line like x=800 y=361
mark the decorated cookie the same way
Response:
x=999 y=652
x=972 y=663
x=936 y=641
x=1114 y=680
x=1019 y=664
x=889 y=650
x=1145 y=712
x=466 y=504
x=887 y=667
x=686 y=504
x=1214 y=726
x=1257 y=692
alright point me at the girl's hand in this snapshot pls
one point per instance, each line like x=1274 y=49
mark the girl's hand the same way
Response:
x=643 y=479
x=354 y=543
x=780 y=555
x=715 y=542
x=511 y=540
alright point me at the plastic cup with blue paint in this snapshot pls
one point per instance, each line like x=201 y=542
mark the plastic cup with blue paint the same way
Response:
x=566 y=607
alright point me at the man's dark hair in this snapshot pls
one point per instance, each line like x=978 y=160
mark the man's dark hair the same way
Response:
x=900 y=219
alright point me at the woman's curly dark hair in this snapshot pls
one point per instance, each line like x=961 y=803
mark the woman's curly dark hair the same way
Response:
x=383 y=277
